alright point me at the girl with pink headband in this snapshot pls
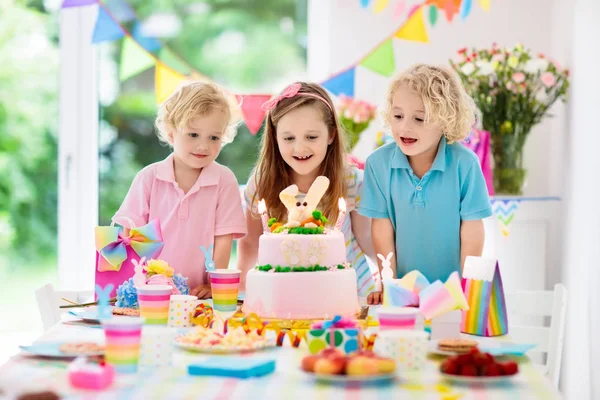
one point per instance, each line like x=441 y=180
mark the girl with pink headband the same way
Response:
x=301 y=141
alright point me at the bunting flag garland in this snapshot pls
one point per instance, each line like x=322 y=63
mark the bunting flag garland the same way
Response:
x=505 y=211
x=342 y=83
x=138 y=50
x=381 y=60
x=134 y=59
x=106 y=28
x=166 y=81
x=251 y=111
x=414 y=29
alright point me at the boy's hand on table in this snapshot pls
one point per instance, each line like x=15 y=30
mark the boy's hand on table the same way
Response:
x=201 y=291
x=375 y=298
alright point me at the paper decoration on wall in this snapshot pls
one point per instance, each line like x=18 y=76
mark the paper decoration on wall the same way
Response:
x=414 y=29
x=381 y=60
x=251 y=111
x=342 y=83
x=505 y=211
x=134 y=59
x=365 y=3
x=465 y=9
x=433 y=15
x=78 y=3
x=450 y=7
x=166 y=81
x=485 y=4
x=399 y=9
x=106 y=28
x=380 y=5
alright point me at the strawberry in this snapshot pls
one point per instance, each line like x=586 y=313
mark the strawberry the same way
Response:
x=480 y=360
x=463 y=359
x=510 y=368
x=491 y=370
x=468 y=370
x=449 y=367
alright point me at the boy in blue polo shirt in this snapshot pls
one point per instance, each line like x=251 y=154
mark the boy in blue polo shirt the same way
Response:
x=426 y=194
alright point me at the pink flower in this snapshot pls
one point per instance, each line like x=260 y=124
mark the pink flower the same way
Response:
x=518 y=77
x=163 y=280
x=548 y=79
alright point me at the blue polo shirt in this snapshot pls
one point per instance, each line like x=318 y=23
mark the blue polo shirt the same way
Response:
x=426 y=212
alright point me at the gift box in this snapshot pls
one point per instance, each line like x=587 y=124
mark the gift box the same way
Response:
x=117 y=252
x=339 y=333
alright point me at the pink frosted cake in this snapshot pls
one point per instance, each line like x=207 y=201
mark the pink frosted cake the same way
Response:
x=301 y=271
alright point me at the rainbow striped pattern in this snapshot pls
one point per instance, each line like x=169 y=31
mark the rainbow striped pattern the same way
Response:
x=154 y=303
x=391 y=318
x=225 y=284
x=487 y=315
x=123 y=338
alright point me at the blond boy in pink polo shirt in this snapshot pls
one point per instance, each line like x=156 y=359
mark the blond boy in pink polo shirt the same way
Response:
x=196 y=200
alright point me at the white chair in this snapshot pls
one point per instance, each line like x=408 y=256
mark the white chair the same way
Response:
x=525 y=306
x=50 y=300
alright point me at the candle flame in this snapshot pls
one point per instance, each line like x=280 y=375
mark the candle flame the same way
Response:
x=262 y=207
x=341 y=204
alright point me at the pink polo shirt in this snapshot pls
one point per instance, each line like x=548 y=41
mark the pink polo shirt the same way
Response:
x=212 y=207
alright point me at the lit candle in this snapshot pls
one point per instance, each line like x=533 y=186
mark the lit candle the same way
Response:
x=341 y=213
x=262 y=210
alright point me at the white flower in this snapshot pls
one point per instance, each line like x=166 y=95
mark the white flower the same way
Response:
x=536 y=65
x=468 y=68
x=485 y=68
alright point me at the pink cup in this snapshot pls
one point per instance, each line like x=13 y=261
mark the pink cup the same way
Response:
x=391 y=318
x=154 y=303
x=123 y=338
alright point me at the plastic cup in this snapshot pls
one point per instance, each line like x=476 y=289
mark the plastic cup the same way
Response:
x=154 y=303
x=407 y=347
x=393 y=318
x=225 y=284
x=180 y=308
x=123 y=339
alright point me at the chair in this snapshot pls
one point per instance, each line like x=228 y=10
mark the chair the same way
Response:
x=49 y=301
x=539 y=305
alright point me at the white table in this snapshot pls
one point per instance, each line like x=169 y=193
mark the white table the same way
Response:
x=24 y=373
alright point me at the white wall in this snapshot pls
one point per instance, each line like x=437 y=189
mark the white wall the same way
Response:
x=348 y=32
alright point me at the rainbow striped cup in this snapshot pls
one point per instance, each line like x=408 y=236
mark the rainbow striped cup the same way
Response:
x=123 y=338
x=154 y=303
x=225 y=284
x=391 y=318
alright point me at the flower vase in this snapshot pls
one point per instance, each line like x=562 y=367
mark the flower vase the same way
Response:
x=507 y=150
x=509 y=180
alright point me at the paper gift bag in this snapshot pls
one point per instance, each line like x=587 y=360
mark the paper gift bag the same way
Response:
x=479 y=142
x=483 y=289
x=116 y=251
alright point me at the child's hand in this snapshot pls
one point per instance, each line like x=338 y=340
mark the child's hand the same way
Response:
x=201 y=291
x=375 y=298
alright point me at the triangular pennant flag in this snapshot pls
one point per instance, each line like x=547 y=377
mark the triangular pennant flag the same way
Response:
x=433 y=15
x=149 y=43
x=106 y=28
x=485 y=4
x=381 y=60
x=120 y=10
x=364 y=3
x=174 y=61
x=465 y=8
x=166 y=81
x=380 y=5
x=414 y=28
x=134 y=59
x=505 y=211
x=251 y=111
x=342 y=83
x=78 y=3
x=451 y=8
x=399 y=8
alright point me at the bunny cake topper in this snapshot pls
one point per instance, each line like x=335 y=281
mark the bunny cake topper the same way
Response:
x=103 y=294
x=209 y=264
x=300 y=211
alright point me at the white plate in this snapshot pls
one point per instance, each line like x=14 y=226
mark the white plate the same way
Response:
x=343 y=379
x=479 y=379
x=51 y=349
x=225 y=350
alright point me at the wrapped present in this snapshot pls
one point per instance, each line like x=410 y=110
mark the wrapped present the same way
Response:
x=482 y=284
x=340 y=333
x=116 y=251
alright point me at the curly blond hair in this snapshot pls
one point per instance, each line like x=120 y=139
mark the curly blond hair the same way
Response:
x=190 y=100
x=446 y=102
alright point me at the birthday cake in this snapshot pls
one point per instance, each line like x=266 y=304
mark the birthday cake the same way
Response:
x=302 y=272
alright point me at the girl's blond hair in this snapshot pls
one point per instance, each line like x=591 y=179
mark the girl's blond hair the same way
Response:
x=190 y=100
x=446 y=102
x=272 y=174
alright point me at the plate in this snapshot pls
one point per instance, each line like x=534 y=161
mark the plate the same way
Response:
x=88 y=315
x=478 y=379
x=51 y=349
x=500 y=348
x=225 y=350
x=344 y=379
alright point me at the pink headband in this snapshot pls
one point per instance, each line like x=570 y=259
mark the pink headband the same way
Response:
x=289 y=92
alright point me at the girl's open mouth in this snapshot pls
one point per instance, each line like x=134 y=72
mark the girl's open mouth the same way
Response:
x=303 y=158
